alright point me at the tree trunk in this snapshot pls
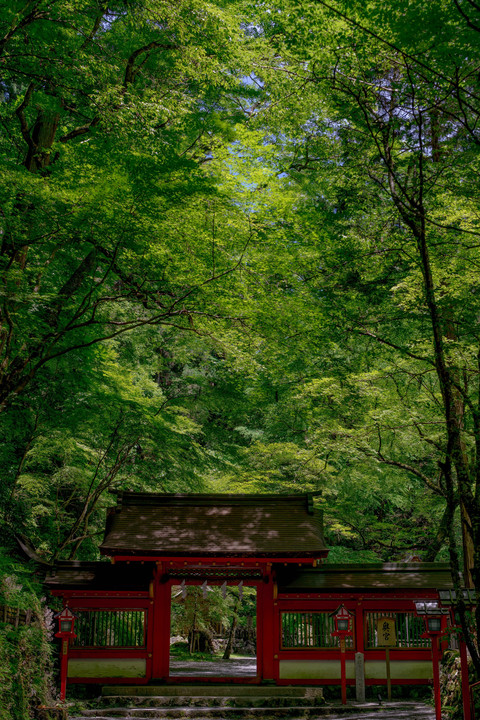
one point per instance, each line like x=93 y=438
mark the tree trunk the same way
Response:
x=43 y=136
x=442 y=533
x=231 y=634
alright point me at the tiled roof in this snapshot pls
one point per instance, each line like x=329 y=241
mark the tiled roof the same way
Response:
x=100 y=576
x=371 y=577
x=326 y=578
x=214 y=525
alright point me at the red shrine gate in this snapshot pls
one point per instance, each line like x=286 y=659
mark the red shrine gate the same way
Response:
x=272 y=543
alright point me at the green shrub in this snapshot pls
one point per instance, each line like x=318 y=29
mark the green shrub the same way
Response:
x=451 y=686
x=25 y=651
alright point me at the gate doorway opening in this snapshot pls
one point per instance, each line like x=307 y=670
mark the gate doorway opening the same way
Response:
x=213 y=631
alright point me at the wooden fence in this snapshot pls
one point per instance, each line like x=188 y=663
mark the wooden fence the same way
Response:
x=15 y=616
x=110 y=628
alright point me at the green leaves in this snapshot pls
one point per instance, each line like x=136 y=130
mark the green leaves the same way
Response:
x=211 y=273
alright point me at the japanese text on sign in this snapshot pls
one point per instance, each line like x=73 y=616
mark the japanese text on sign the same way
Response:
x=386 y=635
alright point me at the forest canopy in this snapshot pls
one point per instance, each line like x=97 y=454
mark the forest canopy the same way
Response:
x=240 y=253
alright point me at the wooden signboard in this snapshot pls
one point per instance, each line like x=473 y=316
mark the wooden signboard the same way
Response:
x=387 y=638
x=386 y=633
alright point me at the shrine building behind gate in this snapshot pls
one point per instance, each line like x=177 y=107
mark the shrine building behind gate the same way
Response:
x=271 y=542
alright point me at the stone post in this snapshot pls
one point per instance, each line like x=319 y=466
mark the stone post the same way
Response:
x=360 y=677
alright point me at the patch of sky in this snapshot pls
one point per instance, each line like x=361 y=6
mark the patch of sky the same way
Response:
x=252 y=30
x=4 y=92
x=252 y=79
x=108 y=20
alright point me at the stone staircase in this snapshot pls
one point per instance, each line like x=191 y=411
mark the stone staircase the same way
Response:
x=242 y=702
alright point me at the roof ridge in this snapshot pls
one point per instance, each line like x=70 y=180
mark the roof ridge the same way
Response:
x=139 y=498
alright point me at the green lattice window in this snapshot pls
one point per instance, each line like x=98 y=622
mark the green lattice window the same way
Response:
x=110 y=628
x=408 y=629
x=309 y=630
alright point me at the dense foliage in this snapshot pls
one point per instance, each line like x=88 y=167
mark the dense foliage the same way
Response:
x=26 y=664
x=239 y=252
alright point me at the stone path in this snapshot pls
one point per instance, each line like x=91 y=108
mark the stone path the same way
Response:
x=243 y=667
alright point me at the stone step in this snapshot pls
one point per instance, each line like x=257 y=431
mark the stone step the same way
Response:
x=294 y=715
x=226 y=690
x=196 y=711
x=112 y=703
x=366 y=711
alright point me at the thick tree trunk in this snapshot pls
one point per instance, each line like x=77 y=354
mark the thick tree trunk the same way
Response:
x=468 y=546
x=38 y=156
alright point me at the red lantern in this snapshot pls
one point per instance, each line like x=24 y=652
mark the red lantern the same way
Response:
x=66 y=621
x=432 y=616
x=343 y=628
x=343 y=622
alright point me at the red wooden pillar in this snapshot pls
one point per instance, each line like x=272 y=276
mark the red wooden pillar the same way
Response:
x=161 y=626
x=269 y=632
x=150 y=618
x=259 y=611
x=277 y=629
x=359 y=643
x=63 y=669
x=343 y=674
x=436 y=677
x=467 y=710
